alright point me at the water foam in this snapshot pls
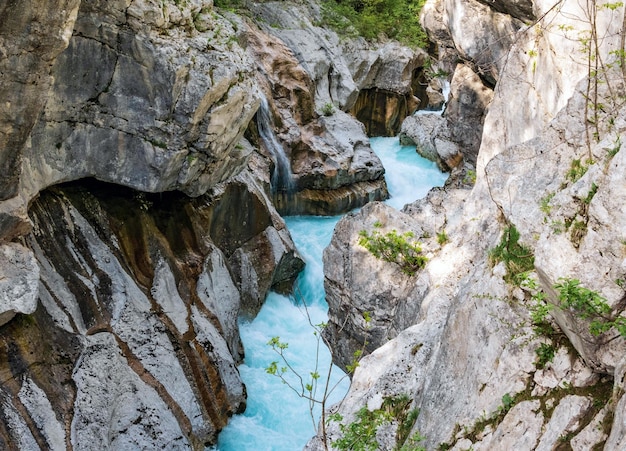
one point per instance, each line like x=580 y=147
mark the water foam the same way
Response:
x=276 y=419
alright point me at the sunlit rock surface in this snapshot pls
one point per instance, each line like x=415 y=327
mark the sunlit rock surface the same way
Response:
x=469 y=362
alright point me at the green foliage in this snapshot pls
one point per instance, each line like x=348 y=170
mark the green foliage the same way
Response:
x=544 y=203
x=507 y=403
x=397 y=19
x=328 y=109
x=413 y=443
x=592 y=192
x=577 y=170
x=545 y=353
x=612 y=6
x=395 y=248
x=228 y=4
x=442 y=237
x=517 y=258
x=588 y=304
x=470 y=177
x=617 y=145
x=585 y=303
x=361 y=433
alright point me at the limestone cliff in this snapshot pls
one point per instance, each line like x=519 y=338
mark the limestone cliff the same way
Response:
x=474 y=363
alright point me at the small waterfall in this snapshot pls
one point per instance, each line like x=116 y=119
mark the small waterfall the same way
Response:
x=445 y=92
x=282 y=178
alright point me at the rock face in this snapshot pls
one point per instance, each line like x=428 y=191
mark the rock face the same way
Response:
x=27 y=51
x=140 y=310
x=391 y=299
x=474 y=363
x=376 y=83
x=164 y=108
x=118 y=311
x=333 y=168
x=19 y=276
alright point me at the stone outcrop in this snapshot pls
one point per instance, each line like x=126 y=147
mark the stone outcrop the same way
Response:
x=31 y=37
x=19 y=279
x=477 y=34
x=333 y=168
x=472 y=363
x=359 y=288
x=139 y=310
x=453 y=137
x=119 y=310
x=163 y=109
x=376 y=83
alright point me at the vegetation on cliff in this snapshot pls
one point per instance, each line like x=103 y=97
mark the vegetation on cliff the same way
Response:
x=373 y=19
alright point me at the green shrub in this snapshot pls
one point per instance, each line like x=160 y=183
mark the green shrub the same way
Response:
x=577 y=170
x=395 y=248
x=328 y=109
x=517 y=258
x=442 y=237
x=360 y=435
x=545 y=353
x=397 y=19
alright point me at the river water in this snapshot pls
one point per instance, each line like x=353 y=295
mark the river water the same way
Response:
x=277 y=419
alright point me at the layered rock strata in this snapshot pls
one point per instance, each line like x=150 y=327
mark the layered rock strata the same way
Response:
x=139 y=298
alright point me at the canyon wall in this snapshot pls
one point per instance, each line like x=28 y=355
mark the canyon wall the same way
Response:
x=479 y=367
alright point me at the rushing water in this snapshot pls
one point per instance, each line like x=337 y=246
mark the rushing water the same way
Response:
x=281 y=178
x=276 y=419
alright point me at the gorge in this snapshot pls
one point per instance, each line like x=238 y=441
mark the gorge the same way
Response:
x=138 y=219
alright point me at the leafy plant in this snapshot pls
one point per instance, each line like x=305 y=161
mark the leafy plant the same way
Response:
x=577 y=170
x=328 y=109
x=517 y=258
x=311 y=387
x=585 y=303
x=361 y=433
x=442 y=237
x=470 y=177
x=545 y=353
x=397 y=19
x=395 y=248
x=592 y=192
x=544 y=203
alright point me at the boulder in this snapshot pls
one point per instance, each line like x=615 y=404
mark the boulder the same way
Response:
x=138 y=297
x=19 y=281
x=430 y=133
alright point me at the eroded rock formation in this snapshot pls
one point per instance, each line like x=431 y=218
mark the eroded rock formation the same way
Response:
x=473 y=362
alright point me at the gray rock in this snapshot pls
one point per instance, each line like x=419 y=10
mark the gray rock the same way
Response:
x=430 y=133
x=566 y=418
x=19 y=281
x=364 y=311
x=31 y=37
x=477 y=33
x=520 y=429
x=38 y=406
x=114 y=407
x=154 y=113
